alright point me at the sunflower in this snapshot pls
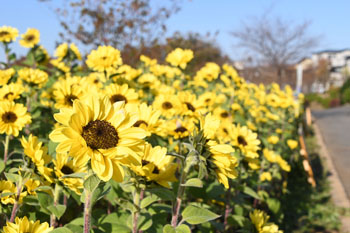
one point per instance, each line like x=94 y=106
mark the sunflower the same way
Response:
x=33 y=76
x=13 y=117
x=210 y=71
x=156 y=165
x=224 y=115
x=169 y=105
x=23 y=225
x=149 y=80
x=11 y=91
x=60 y=65
x=180 y=57
x=65 y=92
x=192 y=106
x=148 y=118
x=292 y=144
x=105 y=58
x=75 y=50
x=5 y=75
x=209 y=124
x=30 y=38
x=8 y=34
x=148 y=61
x=179 y=128
x=103 y=133
x=61 y=51
x=222 y=161
x=31 y=185
x=7 y=187
x=64 y=166
x=127 y=72
x=117 y=93
x=245 y=140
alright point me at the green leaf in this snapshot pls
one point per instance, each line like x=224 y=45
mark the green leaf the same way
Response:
x=57 y=210
x=2 y=165
x=168 y=229
x=249 y=191
x=183 y=228
x=273 y=204
x=52 y=147
x=61 y=230
x=197 y=215
x=45 y=200
x=148 y=201
x=12 y=177
x=6 y=194
x=163 y=193
x=194 y=182
x=91 y=183
x=75 y=175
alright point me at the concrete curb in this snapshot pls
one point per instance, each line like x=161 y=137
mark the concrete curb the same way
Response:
x=339 y=197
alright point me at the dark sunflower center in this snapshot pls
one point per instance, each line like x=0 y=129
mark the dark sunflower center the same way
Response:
x=67 y=170
x=4 y=33
x=190 y=107
x=140 y=122
x=180 y=129
x=241 y=140
x=225 y=130
x=167 y=105
x=224 y=114
x=29 y=38
x=100 y=135
x=155 y=170
x=207 y=100
x=144 y=162
x=104 y=57
x=8 y=95
x=117 y=97
x=9 y=117
x=68 y=100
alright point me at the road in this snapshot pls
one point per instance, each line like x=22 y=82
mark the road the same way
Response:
x=334 y=125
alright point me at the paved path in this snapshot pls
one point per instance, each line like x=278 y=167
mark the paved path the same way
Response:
x=334 y=125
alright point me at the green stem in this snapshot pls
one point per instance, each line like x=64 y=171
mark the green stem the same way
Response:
x=136 y=213
x=56 y=196
x=6 y=149
x=87 y=211
x=15 y=206
x=181 y=190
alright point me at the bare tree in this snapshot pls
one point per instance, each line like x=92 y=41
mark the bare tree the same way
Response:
x=275 y=43
x=113 y=22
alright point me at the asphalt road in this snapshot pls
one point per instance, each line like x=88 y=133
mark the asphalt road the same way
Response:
x=334 y=125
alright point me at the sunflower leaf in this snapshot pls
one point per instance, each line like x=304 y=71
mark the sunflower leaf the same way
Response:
x=193 y=182
x=197 y=215
x=91 y=183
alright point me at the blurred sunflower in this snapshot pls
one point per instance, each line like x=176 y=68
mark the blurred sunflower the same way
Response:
x=192 y=106
x=97 y=131
x=64 y=166
x=5 y=75
x=245 y=140
x=13 y=117
x=180 y=57
x=65 y=92
x=7 y=187
x=34 y=77
x=117 y=93
x=75 y=51
x=169 y=105
x=105 y=58
x=61 y=51
x=30 y=38
x=11 y=91
x=179 y=128
x=156 y=165
x=23 y=225
x=8 y=34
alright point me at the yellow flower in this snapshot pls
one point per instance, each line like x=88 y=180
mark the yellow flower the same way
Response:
x=75 y=50
x=60 y=65
x=157 y=166
x=273 y=139
x=245 y=140
x=23 y=225
x=13 y=117
x=65 y=92
x=292 y=144
x=259 y=219
x=149 y=80
x=97 y=131
x=64 y=166
x=270 y=155
x=7 y=187
x=148 y=61
x=5 y=75
x=180 y=57
x=179 y=128
x=192 y=106
x=33 y=76
x=127 y=72
x=209 y=72
x=283 y=164
x=30 y=38
x=11 y=91
x=223 y=162
x=117 y=93
x=8 y=34
x=270 y=228
x=265 y=176
x=105 y=58
x=169 y=105
x=31 y=185
x=61 y=51
x=209 y=124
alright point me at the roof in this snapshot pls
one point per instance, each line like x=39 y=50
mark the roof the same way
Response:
x=332 y=51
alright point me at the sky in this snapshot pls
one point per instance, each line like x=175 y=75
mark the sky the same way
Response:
x=330 y=19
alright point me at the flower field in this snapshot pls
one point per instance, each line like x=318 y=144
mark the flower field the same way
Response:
x=95 y=145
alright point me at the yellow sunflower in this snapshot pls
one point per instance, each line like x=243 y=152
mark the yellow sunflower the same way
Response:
x=30 y=38
x=31 y=185
x=64 y=166
x=61 y=51
x=33 y=76
x=209 y=124
x=7 y=187
x=127 y=72
x=224 y=115
x=75 y=50
x=156 y=165
x=13 y=117
x=117 y=93
x=105 y=58
x=11 y=91
x=60 y=65
x=169 y=105
x=179 y=128
x=180 y=57
x=192 y=106
x=245 y=140
x=148 y=118
x=222 y=161
x=5 y=75
x=8 y=34
x=97 y=131
x=65 y=92
x=149 y=80
x=23 y=225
